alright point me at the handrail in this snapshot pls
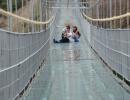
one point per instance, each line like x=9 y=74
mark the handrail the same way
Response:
x=6 y=13
x=106 y=19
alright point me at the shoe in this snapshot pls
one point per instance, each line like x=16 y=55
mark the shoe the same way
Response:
x=55 y=41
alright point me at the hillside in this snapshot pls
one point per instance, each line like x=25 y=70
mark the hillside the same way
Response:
x=3 y=5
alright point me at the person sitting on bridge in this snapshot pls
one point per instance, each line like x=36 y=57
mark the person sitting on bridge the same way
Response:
x=76 y=34
x=65 y=35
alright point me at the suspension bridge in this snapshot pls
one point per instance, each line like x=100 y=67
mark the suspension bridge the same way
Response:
x=32 y=67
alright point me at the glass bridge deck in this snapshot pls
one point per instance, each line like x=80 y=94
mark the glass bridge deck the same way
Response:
x=73 y=72
x=77 y=74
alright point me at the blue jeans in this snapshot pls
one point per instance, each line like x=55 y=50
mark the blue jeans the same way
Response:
x=76 y=39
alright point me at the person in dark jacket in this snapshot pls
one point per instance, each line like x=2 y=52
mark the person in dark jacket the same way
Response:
x=64 y=36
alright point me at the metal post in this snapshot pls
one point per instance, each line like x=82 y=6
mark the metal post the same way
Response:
x=102 y=13
x=43 y=15
x=107 y=15
x=46 y=12
x=9 y=8
x=103 y=23
x=16 y=9
x=23 y=16
x=28 y=25
x=110 y=7
x=120 y=12
x=128 y=11
x=86 y=7
x=97 y=12
x=37 y=15
x=32 y=11
x=40 y=13
x=115 y=13
x=67 y=3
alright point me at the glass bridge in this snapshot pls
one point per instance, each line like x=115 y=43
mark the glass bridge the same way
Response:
x=76 y=73
x=69 y=71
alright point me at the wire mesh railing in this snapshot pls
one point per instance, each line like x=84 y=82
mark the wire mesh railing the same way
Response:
x=108 y=13
x=24 y=43
x=108 y=32
x=24 y=16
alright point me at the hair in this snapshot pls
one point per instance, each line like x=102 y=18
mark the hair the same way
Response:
x=68 y=26
x=75 y=28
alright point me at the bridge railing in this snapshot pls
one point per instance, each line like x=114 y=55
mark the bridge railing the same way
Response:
x=22 y=52
x=112 y=44
x=23 y=15
x=108 y=13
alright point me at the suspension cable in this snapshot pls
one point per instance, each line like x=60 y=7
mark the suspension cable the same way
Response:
x=6 y=13
x=106 y=19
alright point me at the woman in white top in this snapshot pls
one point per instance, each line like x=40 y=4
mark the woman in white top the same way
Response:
x=65 y=36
